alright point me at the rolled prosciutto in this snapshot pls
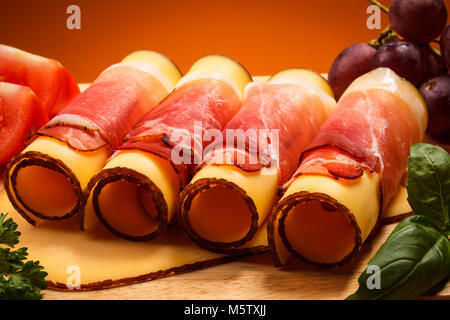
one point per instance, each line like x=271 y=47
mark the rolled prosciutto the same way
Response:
x=48 y=79
x=224 y=207
x=350 y=172
x=46 y=181
x=135 y=194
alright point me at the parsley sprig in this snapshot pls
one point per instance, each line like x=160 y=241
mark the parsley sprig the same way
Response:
x=19 y=279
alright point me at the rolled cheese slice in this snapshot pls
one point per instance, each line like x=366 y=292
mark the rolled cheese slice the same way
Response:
x=136 y=193
x=97 y=259
x=224 y=207
x=49 y=80
x=350 y=172
x=47 y=180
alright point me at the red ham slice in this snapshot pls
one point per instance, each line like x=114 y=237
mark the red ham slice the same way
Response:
x=107 y=110
x=287 y=108
x=370 y=130
x=211 y=103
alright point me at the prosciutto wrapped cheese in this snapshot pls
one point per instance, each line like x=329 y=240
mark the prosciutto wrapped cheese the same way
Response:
x=136 y=193
x=48 y=79
x=350 y=172
x=46 y=181
x=224 y=207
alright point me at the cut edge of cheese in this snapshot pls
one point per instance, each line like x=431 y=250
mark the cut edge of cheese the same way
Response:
x=135 y=195
x=303 y=77
x=398 y=208
x=221 y=68
x=154 y=63
x=303 y=223
x=155 y=275
x=205 y=209
x=66 y=173
x=166 y=67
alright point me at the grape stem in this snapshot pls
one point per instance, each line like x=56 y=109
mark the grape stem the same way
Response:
x=435 y=51
x=385 y=36
x=379 y=5
x=385 y=33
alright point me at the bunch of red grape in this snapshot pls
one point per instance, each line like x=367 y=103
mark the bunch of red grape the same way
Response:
x=405 y=48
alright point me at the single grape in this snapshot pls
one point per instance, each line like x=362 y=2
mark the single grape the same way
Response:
x=419 y=21
x=445 y=44
x=351 y=63
x=434 y=65
x=436 y=93
x=403 y=57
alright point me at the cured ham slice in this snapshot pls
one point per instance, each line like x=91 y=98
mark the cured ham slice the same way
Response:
x=350 y=172
x=135 y=195
x=49 y=80
x=224 y=207
x=20 y=114
x=47 y=180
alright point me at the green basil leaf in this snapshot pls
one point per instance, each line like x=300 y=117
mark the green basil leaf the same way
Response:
x=429 y=182
x=414 y=258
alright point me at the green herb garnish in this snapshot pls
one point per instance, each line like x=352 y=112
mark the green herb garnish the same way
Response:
x=19 y=279
x=429 y=183
x=416 y=256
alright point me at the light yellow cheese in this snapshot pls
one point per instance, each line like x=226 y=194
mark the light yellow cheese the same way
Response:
x=220 y=68
x=398 y=207
x=157 y=169
x=313 y=239
x=89 y=258
x=360 y=196
x=305 y=74
x=279 y=252
x=83 y=164
x=157 y=59
x=48 y=191
x=261 y=186
x=160 y=66
x=122 y=207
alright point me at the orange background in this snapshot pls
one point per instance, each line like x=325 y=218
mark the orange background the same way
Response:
x=266 y=36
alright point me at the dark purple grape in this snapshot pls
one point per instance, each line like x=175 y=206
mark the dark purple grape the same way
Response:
x=403 y=57
x=351 y=63
x=445 y=44
x=434 y=65
x=436 y=93
x=419 y=21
